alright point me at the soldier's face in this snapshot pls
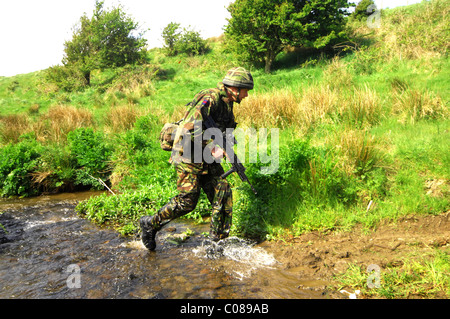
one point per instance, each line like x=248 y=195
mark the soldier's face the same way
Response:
x=242 y=93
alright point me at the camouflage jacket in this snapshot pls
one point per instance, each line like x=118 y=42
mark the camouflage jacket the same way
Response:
x=209 y=102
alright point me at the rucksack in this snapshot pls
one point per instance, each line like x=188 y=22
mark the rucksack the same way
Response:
x=169 y=130
x=167 y=135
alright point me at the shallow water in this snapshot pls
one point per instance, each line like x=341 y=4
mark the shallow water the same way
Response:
x=49 y=252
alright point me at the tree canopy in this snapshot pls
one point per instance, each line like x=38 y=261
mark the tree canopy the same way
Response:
x=107 y=39
x=363 y=9
x=261 y=29
x=186 y=41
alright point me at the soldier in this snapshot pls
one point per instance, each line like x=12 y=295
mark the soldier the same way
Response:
x=196 y=175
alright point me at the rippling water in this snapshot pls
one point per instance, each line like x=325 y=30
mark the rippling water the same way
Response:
x=49 y=252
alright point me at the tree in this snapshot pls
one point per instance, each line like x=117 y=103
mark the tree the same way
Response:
x=186 y=41
x=364 y=9
x=108 y=39
x=261 y=29
x=191 y=43
x=171 y=36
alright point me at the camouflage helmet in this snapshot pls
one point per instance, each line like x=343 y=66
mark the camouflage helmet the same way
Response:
x=239 y=77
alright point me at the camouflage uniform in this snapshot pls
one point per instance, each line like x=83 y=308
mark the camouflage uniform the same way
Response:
x=194 y=174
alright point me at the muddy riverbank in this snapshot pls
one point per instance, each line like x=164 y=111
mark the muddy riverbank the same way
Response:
x=320 y=256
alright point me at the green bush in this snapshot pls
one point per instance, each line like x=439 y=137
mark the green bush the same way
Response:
x=121 y=211
x=191 y=43
x=67 y=78
x=56 y=170
x=91 y=154
x=307 y=177
x=17 y=161
x=187 y=41
x=137 y=158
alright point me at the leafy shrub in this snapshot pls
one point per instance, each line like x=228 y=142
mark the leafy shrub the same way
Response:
x=138 y=158
x=363 y=10
x=91 y=154
x=307 y=176
x=56 y=170
x=67 y=78
x=187 y=41
x=121 y=210
x=17 y=161
x=191 y=43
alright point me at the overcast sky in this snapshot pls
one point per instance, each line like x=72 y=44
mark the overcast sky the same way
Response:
x=32 y=32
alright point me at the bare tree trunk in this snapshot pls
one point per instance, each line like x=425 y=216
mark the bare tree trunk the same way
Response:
x=87 y=77
x=273 y=49
x=270 y=57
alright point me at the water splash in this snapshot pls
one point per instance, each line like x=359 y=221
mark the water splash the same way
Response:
x=239 y=257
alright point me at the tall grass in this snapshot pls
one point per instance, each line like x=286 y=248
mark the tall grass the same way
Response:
x=121 y=118
x=412 y=105
x=418 y=31
x=60 y=120
x=368 y=125
x=422 y=33
x=360 y=152
x=306 y=107
x=12 y=126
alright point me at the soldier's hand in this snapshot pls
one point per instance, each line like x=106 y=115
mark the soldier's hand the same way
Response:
x=217 y=153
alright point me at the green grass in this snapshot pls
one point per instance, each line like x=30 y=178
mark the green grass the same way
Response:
x=417 y=277
x=370 y=125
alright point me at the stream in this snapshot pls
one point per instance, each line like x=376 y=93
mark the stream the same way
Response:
x=48 y=252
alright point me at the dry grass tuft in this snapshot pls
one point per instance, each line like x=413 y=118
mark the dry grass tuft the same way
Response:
x=412 y=105
x=316 y=105
x=268 y=110
x=361 y=108
x=284 y=108
x=121 y=118
x=60 y=120
x=12 y=126
x=360 y=152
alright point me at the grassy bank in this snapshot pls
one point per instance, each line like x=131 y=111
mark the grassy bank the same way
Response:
x=369 y=124
x=364 y=133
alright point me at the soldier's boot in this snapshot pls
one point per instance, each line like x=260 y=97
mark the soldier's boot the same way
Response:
x=213 y=236
x=150 y=225
x=148 y=232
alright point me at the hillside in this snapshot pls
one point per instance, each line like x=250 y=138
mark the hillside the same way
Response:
x=363 y=132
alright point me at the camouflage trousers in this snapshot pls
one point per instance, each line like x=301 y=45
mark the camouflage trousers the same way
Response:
x=189 y=184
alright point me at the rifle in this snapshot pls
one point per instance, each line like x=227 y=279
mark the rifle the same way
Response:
x=228 y=143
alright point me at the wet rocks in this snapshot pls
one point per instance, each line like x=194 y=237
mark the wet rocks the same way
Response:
x=11 y=229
